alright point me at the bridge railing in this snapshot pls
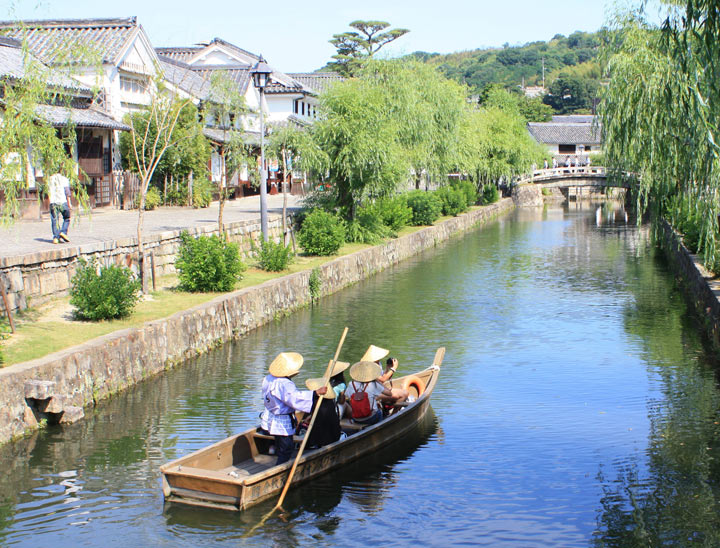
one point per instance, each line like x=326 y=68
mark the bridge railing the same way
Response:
x=560 y=172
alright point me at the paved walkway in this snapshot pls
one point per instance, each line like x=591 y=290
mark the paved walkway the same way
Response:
x=109 y=224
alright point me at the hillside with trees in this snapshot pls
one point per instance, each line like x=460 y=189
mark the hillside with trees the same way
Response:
x=570 y=64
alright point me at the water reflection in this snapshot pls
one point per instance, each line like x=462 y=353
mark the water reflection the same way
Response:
x=363 y=484
x=577 y=405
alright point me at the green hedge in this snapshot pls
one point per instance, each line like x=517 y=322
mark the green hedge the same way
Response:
x=103 y=293
x=426 y=207
x=321 y=233
x=208 y=263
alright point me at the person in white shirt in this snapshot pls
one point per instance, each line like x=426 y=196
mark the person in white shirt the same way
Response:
x=282 y=399
x=60 y=204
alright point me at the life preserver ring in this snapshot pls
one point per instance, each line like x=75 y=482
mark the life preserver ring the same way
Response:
x=414 y=383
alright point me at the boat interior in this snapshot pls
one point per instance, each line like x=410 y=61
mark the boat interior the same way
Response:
x=251 y=452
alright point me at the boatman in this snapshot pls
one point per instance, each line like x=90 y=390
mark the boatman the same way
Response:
x=282 y=399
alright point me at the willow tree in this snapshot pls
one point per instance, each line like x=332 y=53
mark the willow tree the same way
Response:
x=152 y=133
x=225 y=111
x=293 y=146
x=29 y=143
x=660 y=116
x=495 y=144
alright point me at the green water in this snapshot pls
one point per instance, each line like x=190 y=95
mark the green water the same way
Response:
x=577 y=406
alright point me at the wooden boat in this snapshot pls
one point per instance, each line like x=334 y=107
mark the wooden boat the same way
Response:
x=238 y=472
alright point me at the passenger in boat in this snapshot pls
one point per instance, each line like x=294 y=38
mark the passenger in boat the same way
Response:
x=326 y=429
x=337 y=381
x=399 y=395
x=282 y=399
x=363 y=391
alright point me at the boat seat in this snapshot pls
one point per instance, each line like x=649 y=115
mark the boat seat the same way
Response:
x=346 y=424
x=258 y=435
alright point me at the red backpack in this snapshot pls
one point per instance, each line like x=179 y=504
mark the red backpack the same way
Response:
x=360 y=403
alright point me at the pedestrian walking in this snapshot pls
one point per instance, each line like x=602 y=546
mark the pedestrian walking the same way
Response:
x=60 y=205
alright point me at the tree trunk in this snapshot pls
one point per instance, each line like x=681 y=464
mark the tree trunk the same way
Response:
x=141 y=249
x=221 y=204
x=190 y=189
x=165 y=190
x=284 y=191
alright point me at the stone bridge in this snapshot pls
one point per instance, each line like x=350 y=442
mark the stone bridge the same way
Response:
x=567 y=177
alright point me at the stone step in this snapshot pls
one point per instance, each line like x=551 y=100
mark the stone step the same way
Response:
x=72 y=414
x=39 y=390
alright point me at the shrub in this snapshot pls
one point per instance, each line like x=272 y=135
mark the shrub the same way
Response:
x=274 y=256
x=321 y=233
x=367 y=227
x=315 y=283
x=394 y=212
x=425 y=206
x=469 y=189
x=202 y=192
x=152 y=199
x=490 y=194
x=453 y=200
x=208 y=263
x=103 y=293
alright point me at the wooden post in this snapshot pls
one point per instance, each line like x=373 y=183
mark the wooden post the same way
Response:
x=152 y=265
x=7 y=305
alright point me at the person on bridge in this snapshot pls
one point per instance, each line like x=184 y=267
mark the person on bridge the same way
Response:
x=554 y=163
x=282 y=399
x=545 y=163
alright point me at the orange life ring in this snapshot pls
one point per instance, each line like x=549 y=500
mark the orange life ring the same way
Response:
x=414 y=382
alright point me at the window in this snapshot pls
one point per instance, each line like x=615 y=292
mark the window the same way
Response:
x=132 y=85
x=303 y=108
x=566 y=149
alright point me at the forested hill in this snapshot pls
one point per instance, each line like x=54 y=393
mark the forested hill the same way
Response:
x=574 y=55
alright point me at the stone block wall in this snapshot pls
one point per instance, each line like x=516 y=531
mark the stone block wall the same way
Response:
x=38 y=277
x=702 y=287
x=88 y=373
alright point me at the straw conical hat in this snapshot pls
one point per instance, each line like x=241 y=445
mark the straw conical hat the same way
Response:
x=314 y=384
x=365 y=371
x=286 y=364
x=374 y=354
x=339 y=368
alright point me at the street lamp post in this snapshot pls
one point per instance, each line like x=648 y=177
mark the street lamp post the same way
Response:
x=261 y=76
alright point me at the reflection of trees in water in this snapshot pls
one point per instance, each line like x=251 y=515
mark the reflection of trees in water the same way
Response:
x=674 y=503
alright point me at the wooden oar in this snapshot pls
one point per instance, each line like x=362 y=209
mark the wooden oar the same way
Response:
x=326 y=377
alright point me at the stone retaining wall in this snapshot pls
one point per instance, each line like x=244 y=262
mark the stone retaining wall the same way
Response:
x=38 y=277
x=703 y=289
x=88 y=373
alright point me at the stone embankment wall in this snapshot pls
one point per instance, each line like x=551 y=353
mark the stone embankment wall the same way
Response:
x=702 y=287
x=88 y=373
x=38 y=277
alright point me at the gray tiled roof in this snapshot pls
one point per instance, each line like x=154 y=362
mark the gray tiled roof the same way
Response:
x=554 y=133
x=48 y=39
x=185 y=53
x=180 y=75
x=240 y=74
x=219 y=136
x=317 y=81
x=60 y=116
x=13 y=65
x=573 y=118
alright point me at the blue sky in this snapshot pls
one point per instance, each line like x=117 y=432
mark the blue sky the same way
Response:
x=293 y=35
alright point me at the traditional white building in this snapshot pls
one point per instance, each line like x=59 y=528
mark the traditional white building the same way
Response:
x=568 y=136
x=114 y=58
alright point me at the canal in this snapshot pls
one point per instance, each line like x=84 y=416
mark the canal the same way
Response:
x=577 y=406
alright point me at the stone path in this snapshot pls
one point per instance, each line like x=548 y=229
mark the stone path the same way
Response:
x=109 y=224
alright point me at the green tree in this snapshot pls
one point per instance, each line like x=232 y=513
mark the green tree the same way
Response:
x=28 y=141
x=294 y=146
x=354 y=47
x=572 y=94
x=152 y=134
x=225 y=111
